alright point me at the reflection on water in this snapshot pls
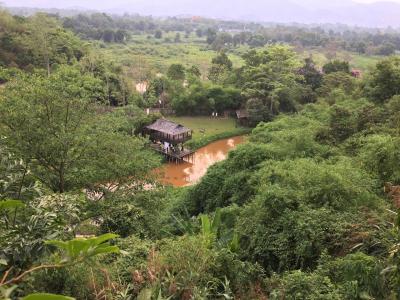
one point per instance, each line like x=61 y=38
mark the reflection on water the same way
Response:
x=187 y=173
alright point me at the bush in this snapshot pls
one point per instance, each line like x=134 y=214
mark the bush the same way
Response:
x=338 y=184
x=380 y=155
x=280 y=236
x=217 y=188
x=305 y=286
x=357 y=275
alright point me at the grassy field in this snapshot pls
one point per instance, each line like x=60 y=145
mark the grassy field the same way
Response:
x=211 y=126
x=215 y=129
x=144 y=56
x=356 y=60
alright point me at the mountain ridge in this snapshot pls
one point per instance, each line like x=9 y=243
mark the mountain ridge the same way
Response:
x=378 y=14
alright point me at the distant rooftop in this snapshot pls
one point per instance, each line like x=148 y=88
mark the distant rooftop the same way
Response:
x=168 y=127
x=242 y=113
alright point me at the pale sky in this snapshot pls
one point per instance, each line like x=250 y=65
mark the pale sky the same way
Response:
x=371 y=1
x=352 y=12
x=108 y=3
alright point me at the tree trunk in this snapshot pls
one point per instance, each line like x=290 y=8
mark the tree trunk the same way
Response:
x=61 y=183
x=48 y=67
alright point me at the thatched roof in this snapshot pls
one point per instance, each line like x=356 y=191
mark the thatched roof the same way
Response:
x=242 y=114
x=168 y=127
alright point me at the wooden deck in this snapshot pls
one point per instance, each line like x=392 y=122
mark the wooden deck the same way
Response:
x=176 y=156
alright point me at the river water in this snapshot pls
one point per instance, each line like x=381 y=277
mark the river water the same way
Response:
x=185 y=174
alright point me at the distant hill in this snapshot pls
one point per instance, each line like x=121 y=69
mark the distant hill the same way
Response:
x=379 y=14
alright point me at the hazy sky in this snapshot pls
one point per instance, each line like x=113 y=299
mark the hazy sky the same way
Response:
x=101 y=4
x=353 y=12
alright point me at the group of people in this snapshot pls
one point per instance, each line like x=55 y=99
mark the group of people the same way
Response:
x=167 y=147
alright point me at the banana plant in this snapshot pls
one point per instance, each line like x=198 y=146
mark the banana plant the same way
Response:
x=79 y=250
x=9 y=209
x=68 y=253
x=210 y=228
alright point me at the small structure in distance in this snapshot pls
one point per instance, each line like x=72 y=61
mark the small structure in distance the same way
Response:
x=168 y=138
x=242 y=117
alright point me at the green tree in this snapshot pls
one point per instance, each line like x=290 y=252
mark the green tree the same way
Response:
x=194 y=71
x=387 y=49
x=47 y=41
x=384 y=81
x=336 y=66
x=298 y=285
x=337 y=80
x=177 y=38
x=257 y=111
x=312 y=76
x=51 y=124
x=158 y=34
x=272 y=76
x=220 y=68
x=211 y=35
x=109 y=36
x=176 y=72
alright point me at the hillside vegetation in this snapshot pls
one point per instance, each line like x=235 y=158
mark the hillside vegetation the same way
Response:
x=305 y=209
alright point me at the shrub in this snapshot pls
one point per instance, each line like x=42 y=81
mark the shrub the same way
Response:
x=298 y=285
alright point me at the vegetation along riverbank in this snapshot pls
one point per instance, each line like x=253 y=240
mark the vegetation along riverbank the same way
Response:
x=305 y=208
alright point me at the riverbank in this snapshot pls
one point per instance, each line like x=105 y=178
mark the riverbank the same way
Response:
x=198 y=143
x=185 y=173
x=207 y=130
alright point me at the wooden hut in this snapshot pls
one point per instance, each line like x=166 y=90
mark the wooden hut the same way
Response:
x=242 y=117
x=167 y=131
x=168 y=138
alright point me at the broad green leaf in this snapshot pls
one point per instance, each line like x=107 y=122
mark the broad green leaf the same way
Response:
x=46 y=297
x=234 y=244
x=6 y=292
x=10 y=204
x=145 y=294
x=85 y=247
x=103 y=238
x=216 y=221
x=205 y=225
x=58 y=244
x=104 y=250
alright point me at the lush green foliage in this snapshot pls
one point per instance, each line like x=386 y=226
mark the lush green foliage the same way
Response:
x=51 y=123
x=296 y=212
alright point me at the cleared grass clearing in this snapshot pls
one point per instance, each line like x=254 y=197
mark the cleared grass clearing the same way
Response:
x=212 y=126
x=356 y=60
x=214 y=129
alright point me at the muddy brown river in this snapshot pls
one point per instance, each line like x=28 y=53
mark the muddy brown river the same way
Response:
x=185 y=174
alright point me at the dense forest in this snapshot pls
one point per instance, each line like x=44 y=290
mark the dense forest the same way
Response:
x=305 y=209
x=222 y=34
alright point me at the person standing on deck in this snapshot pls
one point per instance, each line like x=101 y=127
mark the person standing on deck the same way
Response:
x=166 y=147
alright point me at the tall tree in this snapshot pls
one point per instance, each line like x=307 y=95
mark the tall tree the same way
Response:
x=336 y=66
x=384 y=82
x=51 y=123
x=43 y=31
x=312 y=76
x=221 y=65
x=272 y=76
x=176 y=72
